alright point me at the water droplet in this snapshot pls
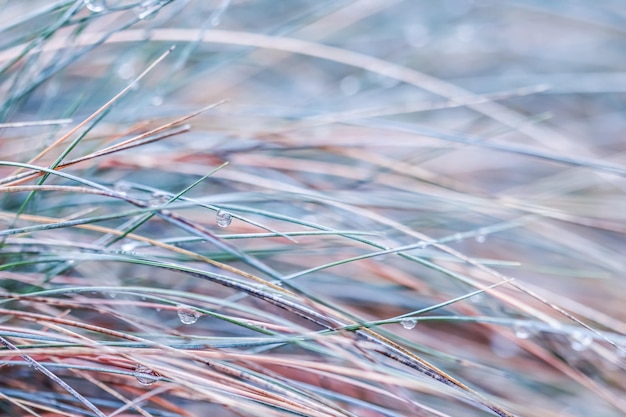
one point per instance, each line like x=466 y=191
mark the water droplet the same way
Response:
x=145 y=375
x=148 y=9
x=129 y=247
x=126 y=70
x=158 y=199
x=580 y=340
x=95 y=6
x=422 y=245
x=458 y=237
x=480 y=238
x=112 y=294
x=187 y=315
x=408 y=323
x=523 y=330
x=350 y=85
x=223 y=218
x=157 y=100
x=122 y=187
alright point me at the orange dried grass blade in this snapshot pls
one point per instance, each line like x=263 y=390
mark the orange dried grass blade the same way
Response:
x=99 y=111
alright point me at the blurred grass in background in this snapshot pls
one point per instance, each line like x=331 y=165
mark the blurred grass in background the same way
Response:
x=387 y=162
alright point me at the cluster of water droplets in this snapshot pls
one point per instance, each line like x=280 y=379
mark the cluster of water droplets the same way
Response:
x=579 y=339
x=187 y=315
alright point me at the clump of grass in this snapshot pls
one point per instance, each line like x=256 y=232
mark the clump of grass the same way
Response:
x=316 y=209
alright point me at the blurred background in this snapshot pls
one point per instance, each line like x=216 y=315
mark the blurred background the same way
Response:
x=491 y=133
